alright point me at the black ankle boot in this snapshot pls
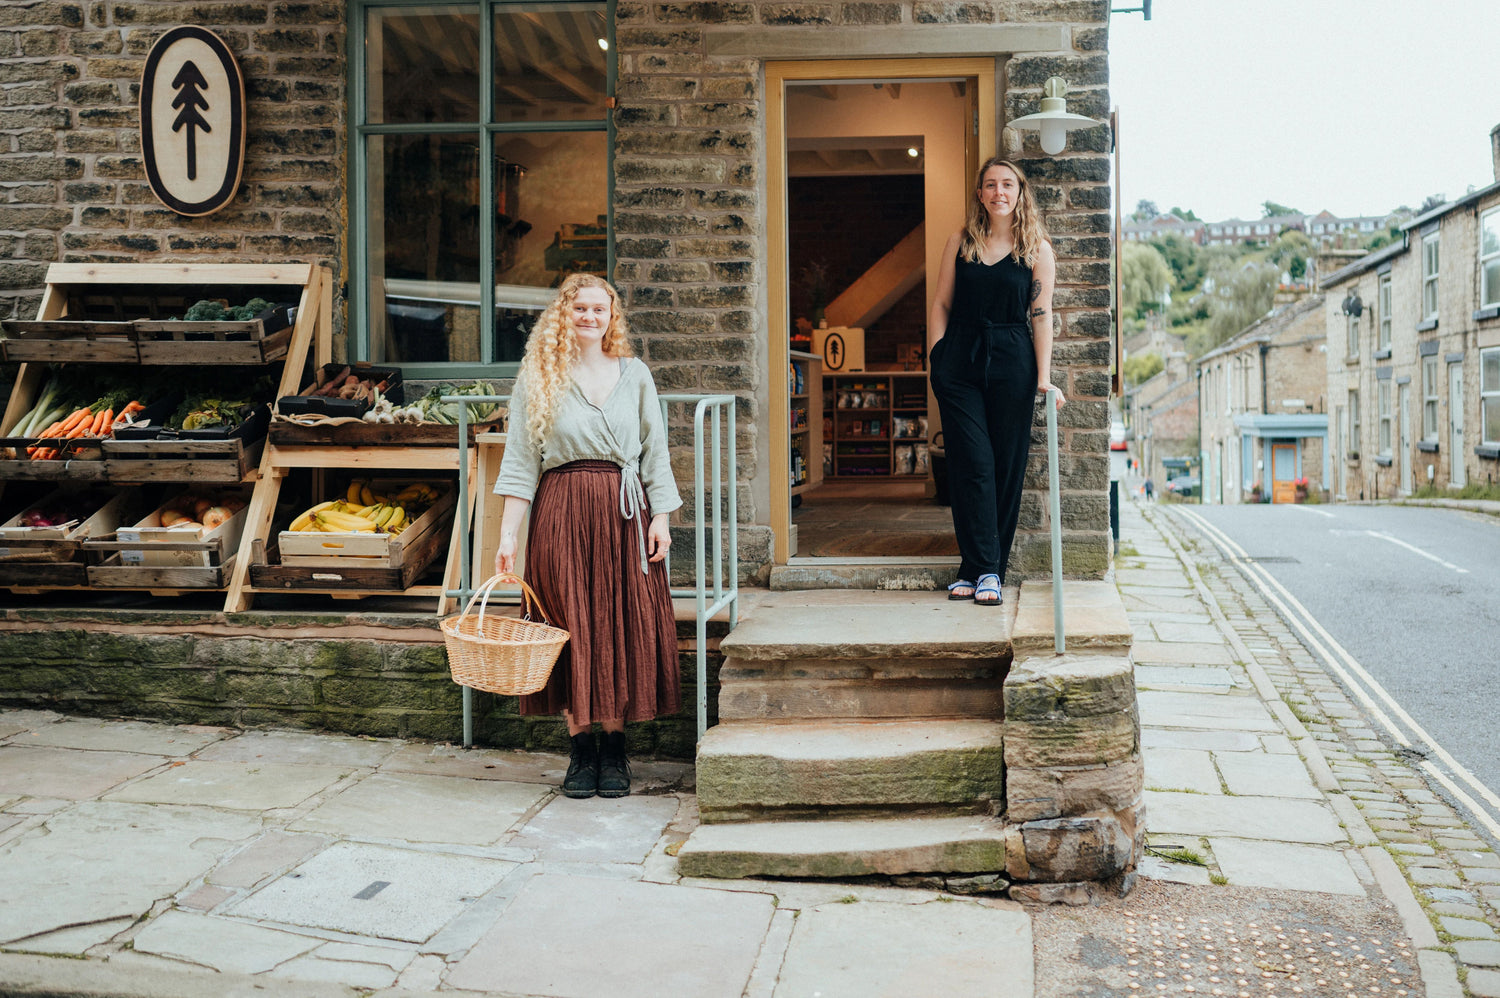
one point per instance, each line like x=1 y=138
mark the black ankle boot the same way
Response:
x=614 y=768
x=583 y=768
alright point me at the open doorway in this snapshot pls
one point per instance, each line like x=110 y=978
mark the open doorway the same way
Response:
x=875 y=171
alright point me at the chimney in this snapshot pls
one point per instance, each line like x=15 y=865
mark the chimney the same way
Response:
x=1495 y=150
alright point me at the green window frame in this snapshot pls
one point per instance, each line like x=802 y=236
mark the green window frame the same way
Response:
x=486 y=129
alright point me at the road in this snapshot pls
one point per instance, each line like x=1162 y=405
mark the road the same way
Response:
x=1412 y=593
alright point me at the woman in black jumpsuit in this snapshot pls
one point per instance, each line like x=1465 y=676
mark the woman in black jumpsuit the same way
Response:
x=990 y=350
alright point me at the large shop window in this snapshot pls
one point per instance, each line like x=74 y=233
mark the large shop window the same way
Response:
x=481 y=173
x=1489 y=259
x=1489 y=394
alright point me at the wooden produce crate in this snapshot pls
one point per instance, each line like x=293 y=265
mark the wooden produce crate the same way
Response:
x=53 y=557
x=70 y=340
x=347 y=432
x=323 y=561
x=189 y=455
x=211 y=342
x=139 y=556
x=306 y=402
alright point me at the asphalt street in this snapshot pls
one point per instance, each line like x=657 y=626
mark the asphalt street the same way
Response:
x=1412 y=593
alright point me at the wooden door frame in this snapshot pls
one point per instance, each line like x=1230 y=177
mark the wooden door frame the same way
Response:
x=778 y=298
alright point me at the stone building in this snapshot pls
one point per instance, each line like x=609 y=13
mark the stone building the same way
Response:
x=413 y=147
x=1263 y=397
x=1163 y=412
x=1413 y=359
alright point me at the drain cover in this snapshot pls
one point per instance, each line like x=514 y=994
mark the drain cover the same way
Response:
x=1272 y=559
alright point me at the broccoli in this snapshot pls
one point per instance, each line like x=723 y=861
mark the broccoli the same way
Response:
x=205 y=311
x=256 y=306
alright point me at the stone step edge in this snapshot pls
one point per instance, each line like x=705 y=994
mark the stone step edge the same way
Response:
x=873 y=739
x=845 y=848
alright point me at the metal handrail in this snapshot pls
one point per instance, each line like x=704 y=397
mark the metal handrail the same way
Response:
x=1054 y=502
x=723 y=596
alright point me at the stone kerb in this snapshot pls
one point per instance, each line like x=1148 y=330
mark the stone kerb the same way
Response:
x=1074 y=781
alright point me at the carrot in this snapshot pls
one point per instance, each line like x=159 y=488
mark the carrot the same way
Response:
x=75 y=419
x=79 y=431
x=55 y=427
x=102 y=424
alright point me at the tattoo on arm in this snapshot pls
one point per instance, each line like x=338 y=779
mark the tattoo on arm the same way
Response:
x=1036 y=290
x=1038 y=312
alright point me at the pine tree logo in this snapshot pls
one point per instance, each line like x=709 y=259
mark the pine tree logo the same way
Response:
x=189 y=83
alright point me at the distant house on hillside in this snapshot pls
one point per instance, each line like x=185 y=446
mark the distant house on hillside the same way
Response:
x=1162 y=225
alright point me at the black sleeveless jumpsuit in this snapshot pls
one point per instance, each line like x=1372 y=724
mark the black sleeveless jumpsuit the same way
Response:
x=984 y=377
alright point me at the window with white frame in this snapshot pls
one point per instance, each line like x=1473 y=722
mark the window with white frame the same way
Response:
x=1489 y=258
x=1353 y=324
x=1489 y=394
x=1228 y=389
x=1385 y=417
x=1383 y=307
x=1354 y=421
x=1430 y=262
x=1430 y=398
x=480 y=158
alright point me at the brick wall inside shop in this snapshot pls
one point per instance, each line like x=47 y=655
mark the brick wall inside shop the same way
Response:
x=846 y=224
x=689 y=235
x=72 y=184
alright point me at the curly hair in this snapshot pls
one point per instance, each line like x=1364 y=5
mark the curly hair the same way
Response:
x=552 y=349
x=1026 y=221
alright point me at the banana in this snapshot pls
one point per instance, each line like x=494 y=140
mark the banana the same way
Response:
x=386 y=514
x=397 y=519
x=355 y=491
x=304 y=521
x=332 y=521
x=367 y=495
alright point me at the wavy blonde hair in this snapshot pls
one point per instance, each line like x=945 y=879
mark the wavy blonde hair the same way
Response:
x=552 y=349
x=1027 y=227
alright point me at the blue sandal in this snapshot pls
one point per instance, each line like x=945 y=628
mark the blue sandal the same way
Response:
x=988 y=585
x=961 y=584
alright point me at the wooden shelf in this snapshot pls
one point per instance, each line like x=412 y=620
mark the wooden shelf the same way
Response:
x=805 y=444
x=882 y=448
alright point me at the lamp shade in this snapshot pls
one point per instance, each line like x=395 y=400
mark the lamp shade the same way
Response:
x=1053 y=120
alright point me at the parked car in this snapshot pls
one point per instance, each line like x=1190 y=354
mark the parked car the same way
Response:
x=1185 y=486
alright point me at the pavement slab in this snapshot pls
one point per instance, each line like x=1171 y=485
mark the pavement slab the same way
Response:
x=76 y=940
x=655 y=940
x=1181 y=769
x=412 y=808
x=597 y=830
x=232 y=785
x=1268 y=818
x=291 y=747
x=1210 y=677
x=1286 y=866
x=519 y=766
x=377 y=891
x=99 y=861
x=1139 y=601
x=15 y=722
x=221 y=943
x=126 y=736
x=1176 y=873
x=272 y=853
x=1204 y=633
x=68 y=773
x=1254 y=775
x=875 y=950
x=1217 y=711
x=1181 y=653
x=1212 y=741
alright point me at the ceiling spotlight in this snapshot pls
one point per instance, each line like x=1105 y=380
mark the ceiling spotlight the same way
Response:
x=913 y=152
x=604 y=44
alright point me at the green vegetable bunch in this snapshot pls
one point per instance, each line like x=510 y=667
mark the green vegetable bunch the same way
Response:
x=206 y=310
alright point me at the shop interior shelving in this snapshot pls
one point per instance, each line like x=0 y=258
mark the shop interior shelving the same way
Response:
x=870 y=452
x=806 y=428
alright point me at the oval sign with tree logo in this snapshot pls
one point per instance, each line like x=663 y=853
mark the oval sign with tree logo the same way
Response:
x=192 y=121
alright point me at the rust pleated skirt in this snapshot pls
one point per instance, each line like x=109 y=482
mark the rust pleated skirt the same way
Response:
x=583 y=560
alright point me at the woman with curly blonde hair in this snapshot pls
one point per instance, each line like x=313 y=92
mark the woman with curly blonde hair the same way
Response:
x=586 y=453
x=990 y=354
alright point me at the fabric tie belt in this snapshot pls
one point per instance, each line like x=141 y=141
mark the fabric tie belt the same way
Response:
x=978 y=335
x=633 y=507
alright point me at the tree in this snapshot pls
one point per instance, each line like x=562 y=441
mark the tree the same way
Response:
x=1290 y=252
x=1271 y=208
x=1182 y=255
x=1241 y=295
x=1186 y=216
x=188 y=82
x=1144 y=275
x=1142 y=367
x=1145 y=211
x=1432 y=201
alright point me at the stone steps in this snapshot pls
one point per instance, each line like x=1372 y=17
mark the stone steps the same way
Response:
x=748 y=771
x=845 y=848
x=872 y=688
x=876 y=575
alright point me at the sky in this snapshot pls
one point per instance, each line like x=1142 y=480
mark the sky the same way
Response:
x=1356 y=106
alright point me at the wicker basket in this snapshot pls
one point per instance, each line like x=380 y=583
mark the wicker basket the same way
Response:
x=502 y=654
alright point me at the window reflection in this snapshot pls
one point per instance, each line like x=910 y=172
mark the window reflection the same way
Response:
x=549 y=65
x=423 y=64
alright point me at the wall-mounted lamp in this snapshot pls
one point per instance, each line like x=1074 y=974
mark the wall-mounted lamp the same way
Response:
x=1053 y=120
x=913 y=152
x=1352 y=305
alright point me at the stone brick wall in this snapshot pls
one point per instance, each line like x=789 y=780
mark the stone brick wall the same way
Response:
x=690 y=247
x=268 y=670
x=72 y=184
